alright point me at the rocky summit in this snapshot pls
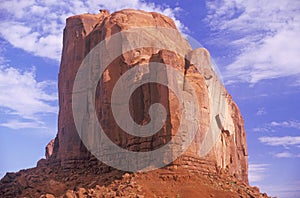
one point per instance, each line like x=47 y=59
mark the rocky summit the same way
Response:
x=215 y=162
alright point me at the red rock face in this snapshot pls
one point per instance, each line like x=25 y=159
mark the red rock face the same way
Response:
x=84 y=32
x=49 y=149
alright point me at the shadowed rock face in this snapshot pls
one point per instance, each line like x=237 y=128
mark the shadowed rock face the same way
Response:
x=84 y=32
x=71 y=170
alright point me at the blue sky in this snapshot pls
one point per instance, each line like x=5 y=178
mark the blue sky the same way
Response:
x=254 y=43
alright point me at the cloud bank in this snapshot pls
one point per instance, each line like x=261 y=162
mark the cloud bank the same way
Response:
x=23 y=100
x=264 y=36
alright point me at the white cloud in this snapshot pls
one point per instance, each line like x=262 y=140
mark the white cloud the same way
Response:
x=18 y=7
x=283 y=155
x=257 y=172
x=271 y=127
x=286 y=155
x=22 y=36
x=261 y=111
x=17 y=124
x=264 y=35
x=280 y=141
x=23 y=99
x=289 y=124
x=285 y=189
x=297 y=83
x=37 y=26
x=263 y=129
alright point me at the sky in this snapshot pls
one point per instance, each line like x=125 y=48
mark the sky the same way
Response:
x=255 y=44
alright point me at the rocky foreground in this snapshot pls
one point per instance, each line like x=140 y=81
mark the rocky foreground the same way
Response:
x=88 y=180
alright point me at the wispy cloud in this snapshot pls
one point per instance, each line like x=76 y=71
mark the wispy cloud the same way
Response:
x=257 y=172
x=271 y=127
x=22 y=36
x=286 y=189
x=289 y=124
x=261 y=111
x=17 y=124
x=23 y=99
x=263 y=129
x=37 y=26
x=286 y=155
x=263 y=34
x=280 y=141
x=297 y=83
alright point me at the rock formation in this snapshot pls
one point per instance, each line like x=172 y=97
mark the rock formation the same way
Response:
x=83 y=33
x=49 y=149
x=71 y=170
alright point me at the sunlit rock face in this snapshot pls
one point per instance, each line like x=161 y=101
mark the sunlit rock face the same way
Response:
x=220 y=123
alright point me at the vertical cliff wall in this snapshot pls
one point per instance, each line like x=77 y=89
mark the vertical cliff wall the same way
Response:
x=83 y=32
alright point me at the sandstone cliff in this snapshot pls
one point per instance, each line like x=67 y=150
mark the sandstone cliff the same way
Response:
x=83 y=33
x=70 y=165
